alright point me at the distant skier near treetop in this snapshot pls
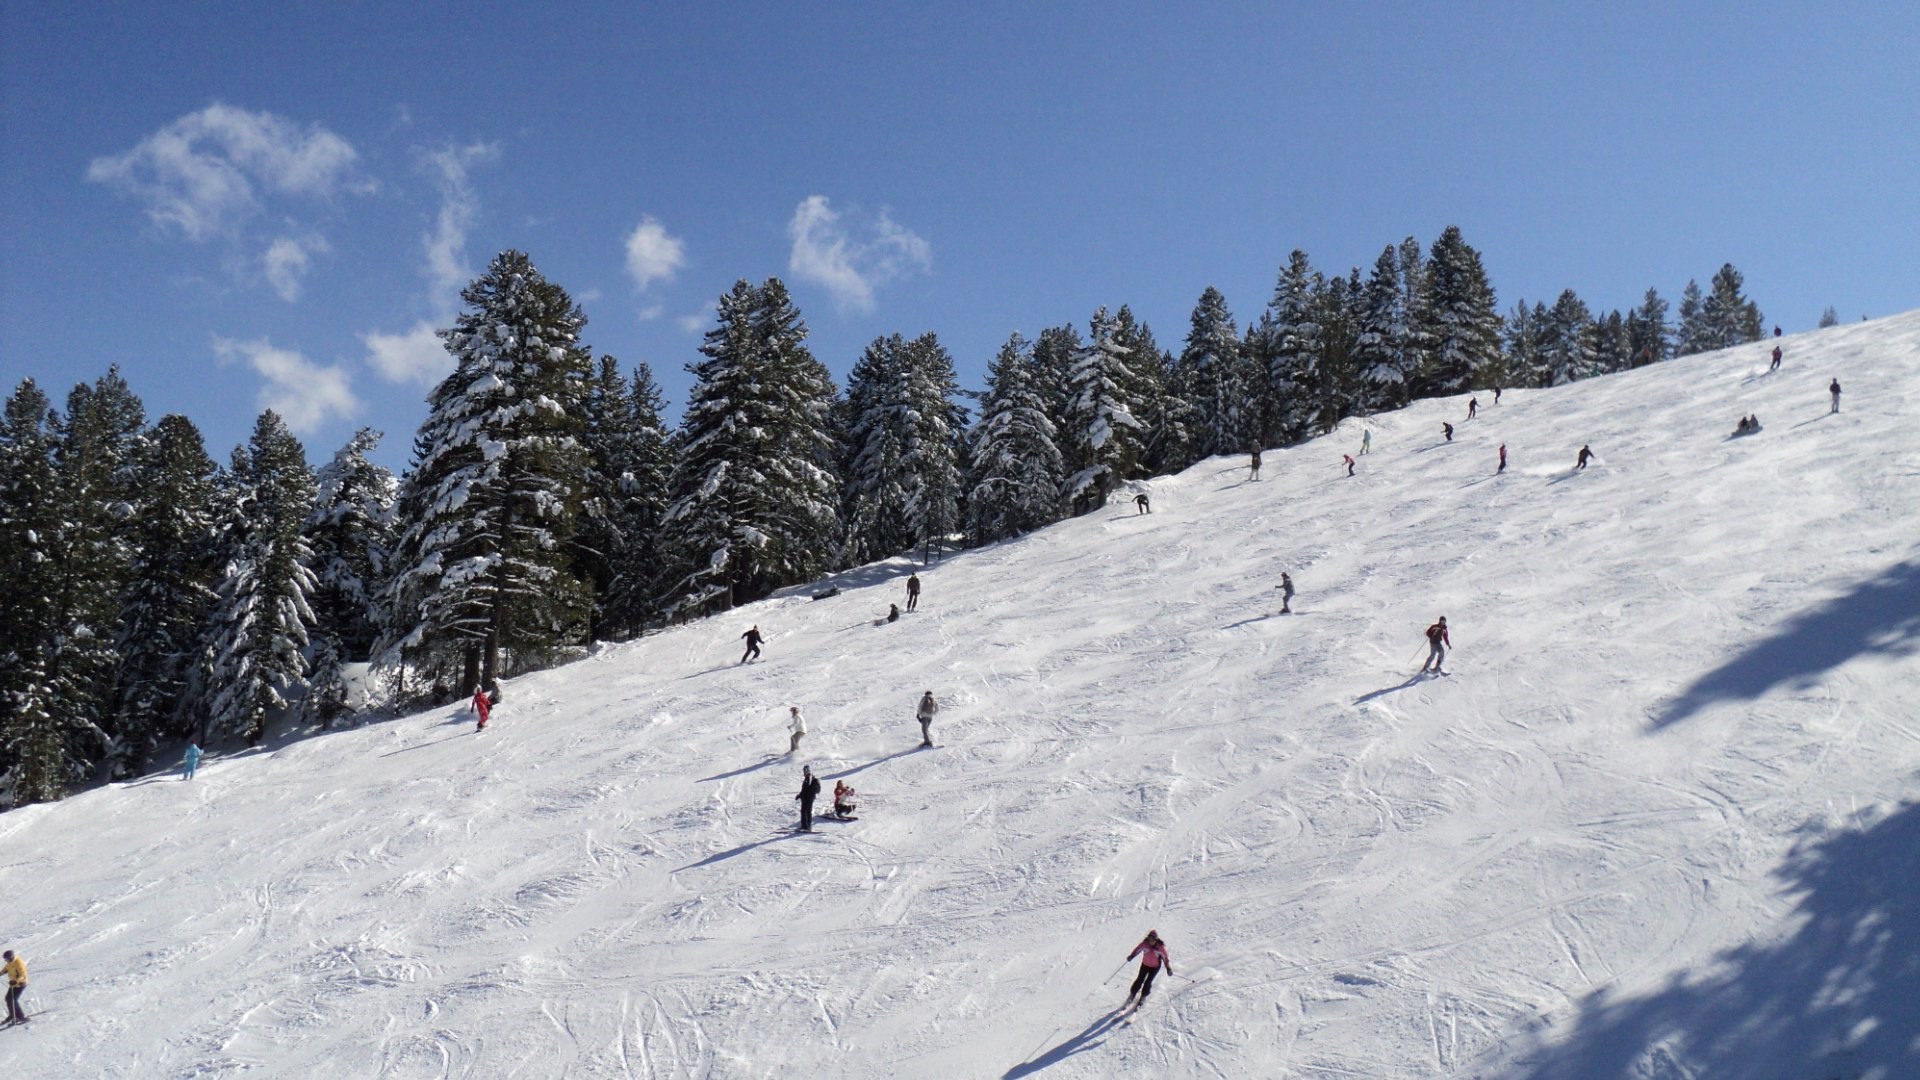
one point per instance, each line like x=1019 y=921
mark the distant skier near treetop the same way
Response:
x=1437 y=645
x=1153 y=956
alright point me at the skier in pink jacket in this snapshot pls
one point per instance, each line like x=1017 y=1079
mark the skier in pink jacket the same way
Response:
x=1153 y=956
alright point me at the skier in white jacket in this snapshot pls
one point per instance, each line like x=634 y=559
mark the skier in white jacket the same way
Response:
x=797 y=725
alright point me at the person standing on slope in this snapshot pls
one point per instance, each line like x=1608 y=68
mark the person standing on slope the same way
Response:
x=481 y=708
x=1286 y=593
x=1503 y=460
x=1366 y=441
x=1253 y=473
x=753 y=640
x=16 y=970
x=1447 y=429
x=1347 y=460
x=1775 y=366
x=1473 y=406
x=1834 y=389
x=1586 y=455
x=1437 y=645
x=925 y=714
x=1140 y=504
x=190 y=761
x=809 y=790
x=1153 y=957
x=797 y=725
x=913 y=591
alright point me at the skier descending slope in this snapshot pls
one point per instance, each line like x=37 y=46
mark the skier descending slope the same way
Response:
x=481 y=708
x=1153 y=956
x=1437 y=645
x=925 y=714
x=753 y=640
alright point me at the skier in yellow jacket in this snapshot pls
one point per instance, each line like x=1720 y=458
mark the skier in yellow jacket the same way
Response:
x=16 y=970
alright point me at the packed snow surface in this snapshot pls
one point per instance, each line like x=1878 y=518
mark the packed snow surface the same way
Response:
x=1658 y=821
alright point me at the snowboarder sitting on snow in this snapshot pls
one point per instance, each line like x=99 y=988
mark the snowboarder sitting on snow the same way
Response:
x=1153 y=956
x=828 y=595
x=843 y=805
x=1438 y=643
x=1140 y=504
x=809 y=790
x=893 y=612
x=753 y=640
x=1586 y=455
x=1286 y=593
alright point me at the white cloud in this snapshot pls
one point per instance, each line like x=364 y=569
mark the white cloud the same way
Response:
x=653 y=254
x=301 y=391
x=850 y=254
x=416 y=356
x=203 y=173
x=651 y=312
x=287 y=260
x=699 y=321
x=446 y=245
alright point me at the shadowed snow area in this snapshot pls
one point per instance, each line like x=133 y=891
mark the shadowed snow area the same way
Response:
x=1657 y=822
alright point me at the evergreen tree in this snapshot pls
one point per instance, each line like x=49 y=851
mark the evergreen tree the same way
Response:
x=1729 y=318
x=1828 y=318
x=1055 y=353
x=1336 y=387
x=934 y=425
x=1291 y=348
x=1525 y=362
x=1151 y=368
x=1612 y=344
x=607 y=539
x=1105 y=441
x=875 y=500
x=1566 y=341
x=1693 y=334
x=1383 y=362
x=1016 y=472
x=1647 y=335
x=32 y=747
x=644 y=461
x=754 y=488
x=175 y=526
x=351 y=535
x=1460 y=328
x=1213 y=380
x=485 y=561
x=256 y=646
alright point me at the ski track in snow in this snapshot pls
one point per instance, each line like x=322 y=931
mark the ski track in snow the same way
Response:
x=1368 y=875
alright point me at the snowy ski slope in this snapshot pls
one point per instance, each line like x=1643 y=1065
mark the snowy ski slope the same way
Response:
x=1658 y=822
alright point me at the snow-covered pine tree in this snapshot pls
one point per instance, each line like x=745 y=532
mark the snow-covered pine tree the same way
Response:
x=351 y=534
x=1729 y=318
x=1829 y=317
x=484 y=562
x=1524 y=363
x=636 y=455
x=1566 y=341
x=1104 y=439
x=1382 y=360
x=1151 y=369
x=1336 y=381
x=1693 y=335
x=754 y=487
x=1459 y=326
x=172 y=594
x=875 y=493
x=256 y=644
x=1213 y=380
x=1292 y=350
x=934 y=425
x=1055 y=352
x=32 y=749
x=1612 y=345
x=1647 y=333
x=1016 y=473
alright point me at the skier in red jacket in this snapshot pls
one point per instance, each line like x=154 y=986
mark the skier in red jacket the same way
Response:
x=1437 y=645
x=481 y=707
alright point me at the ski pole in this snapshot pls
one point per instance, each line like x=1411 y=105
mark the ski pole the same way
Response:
x=1116 y=971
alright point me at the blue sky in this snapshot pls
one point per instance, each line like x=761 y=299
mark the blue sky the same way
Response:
x=246 y=204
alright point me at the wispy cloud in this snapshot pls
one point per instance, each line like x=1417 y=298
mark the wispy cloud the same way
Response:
x=852 y=254
x=301 y=391
x=653 y=254
x=204 y=174
x=699 y=321
x=416 y=355
x=287 y=261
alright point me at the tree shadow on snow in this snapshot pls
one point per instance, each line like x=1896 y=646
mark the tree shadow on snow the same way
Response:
x=1881 y=615
x=1094 y=1035
x=1839 y=997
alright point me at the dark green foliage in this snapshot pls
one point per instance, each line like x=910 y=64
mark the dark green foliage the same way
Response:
x=1459 y=328
x=1016 y=472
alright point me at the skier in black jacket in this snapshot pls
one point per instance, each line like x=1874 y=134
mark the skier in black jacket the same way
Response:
x=809 y=790
x=753 y=639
